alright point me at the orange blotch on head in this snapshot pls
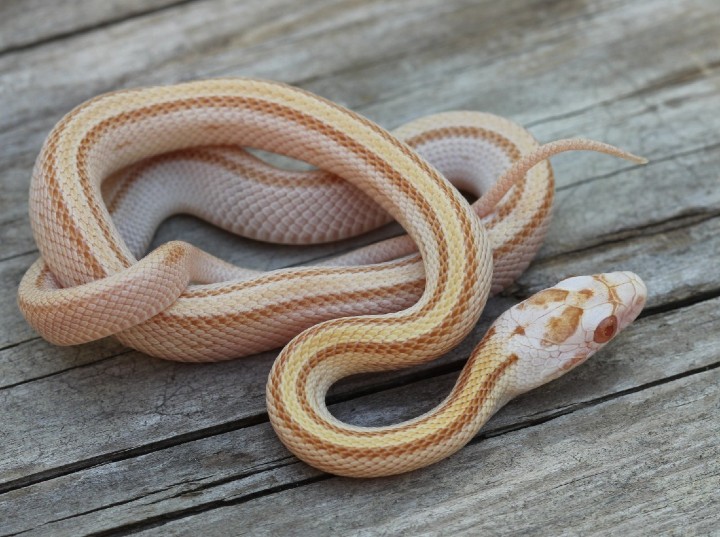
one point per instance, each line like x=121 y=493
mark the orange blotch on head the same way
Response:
x=547 y=297
x=519 y=331
x=587 y=293
x=562 y=326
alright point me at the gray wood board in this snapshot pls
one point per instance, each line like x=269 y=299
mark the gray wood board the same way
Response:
x=626 y=468
x=235 y=466
x=99 y=438
x=34 y=23
x=481 y=67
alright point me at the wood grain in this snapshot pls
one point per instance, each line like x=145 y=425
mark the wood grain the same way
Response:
x=101 y=439
x=33 y=23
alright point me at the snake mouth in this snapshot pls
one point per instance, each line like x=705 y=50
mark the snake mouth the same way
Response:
x=639 y=300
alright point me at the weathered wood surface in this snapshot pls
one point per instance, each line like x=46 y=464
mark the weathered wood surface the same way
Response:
x=99 y=439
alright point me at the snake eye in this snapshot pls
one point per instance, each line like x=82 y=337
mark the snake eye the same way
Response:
x=606 y=329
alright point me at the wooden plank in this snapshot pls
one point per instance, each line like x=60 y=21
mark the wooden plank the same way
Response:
x=35 y=359
x=309 y=40
x=642 y=463
x=518 y=78
x=367 y=81
x=28 y=23
x=236 y=466
x=672 y=264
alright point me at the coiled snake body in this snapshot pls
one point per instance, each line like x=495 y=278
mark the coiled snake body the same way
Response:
x=116 y=166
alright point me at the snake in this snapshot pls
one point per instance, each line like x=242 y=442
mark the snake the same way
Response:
x=117 y=165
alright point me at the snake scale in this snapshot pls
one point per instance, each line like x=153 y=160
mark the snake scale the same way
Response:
x=118 y=165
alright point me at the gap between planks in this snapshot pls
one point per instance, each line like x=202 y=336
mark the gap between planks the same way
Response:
x=101 y=25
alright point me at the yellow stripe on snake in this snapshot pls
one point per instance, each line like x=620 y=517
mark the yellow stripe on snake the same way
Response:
x=119 y=164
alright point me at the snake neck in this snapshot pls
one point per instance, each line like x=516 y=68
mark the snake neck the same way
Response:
x=296 y=403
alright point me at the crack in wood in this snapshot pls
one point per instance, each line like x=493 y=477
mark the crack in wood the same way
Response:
x=259 y=469
x=680 y=304
x=685 y=219
x=570 y=409
x=667 y=158
x=671 y=79
x=13 y=345
x=125 y=454
x=21 y=254
x=160 y=520
x=61 y=371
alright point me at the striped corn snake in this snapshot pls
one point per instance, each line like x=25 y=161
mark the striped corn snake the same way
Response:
x=117 y=165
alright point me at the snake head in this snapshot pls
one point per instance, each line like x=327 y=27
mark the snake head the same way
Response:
x=559 y=328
